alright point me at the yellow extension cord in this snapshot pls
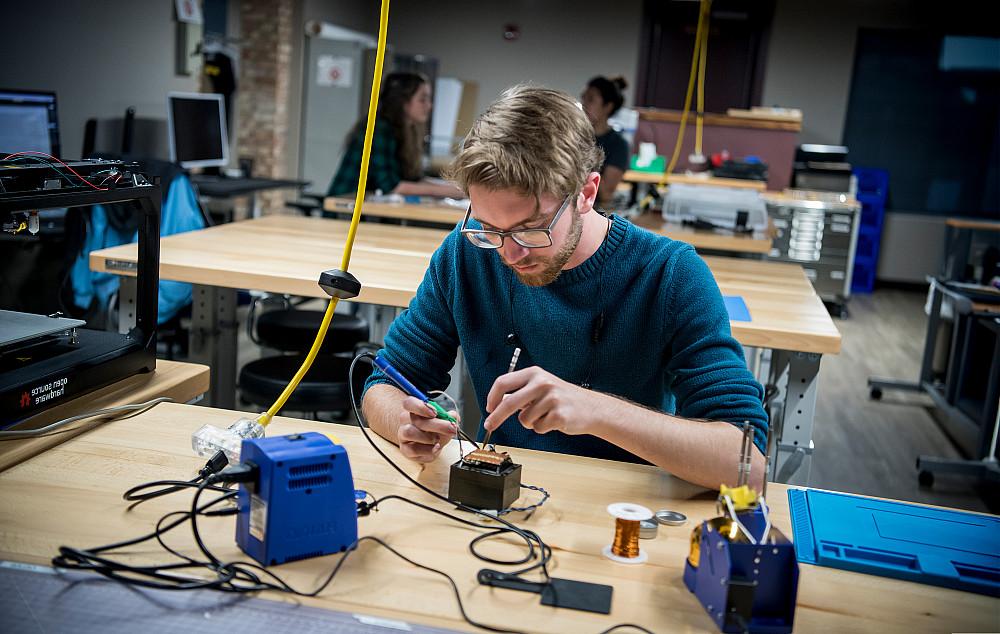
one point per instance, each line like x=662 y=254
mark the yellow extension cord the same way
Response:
x=698 y=61
x=265 y=418
x=698 y=57
x=703 y=59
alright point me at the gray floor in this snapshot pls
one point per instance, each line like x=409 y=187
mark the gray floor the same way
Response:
x=870 y=447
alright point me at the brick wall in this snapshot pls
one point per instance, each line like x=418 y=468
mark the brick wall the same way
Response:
x=266 y=31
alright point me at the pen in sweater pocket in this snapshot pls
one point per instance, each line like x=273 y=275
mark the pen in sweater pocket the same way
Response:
x=510 y=368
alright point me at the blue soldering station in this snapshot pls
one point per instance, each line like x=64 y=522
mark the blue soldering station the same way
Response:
x=301 y=504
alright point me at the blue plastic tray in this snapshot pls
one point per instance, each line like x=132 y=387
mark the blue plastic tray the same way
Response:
x=736 y=307
x=954 y=549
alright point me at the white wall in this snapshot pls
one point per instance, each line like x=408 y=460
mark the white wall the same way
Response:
x=810 y=57
x=100 y=56
x=562 y=44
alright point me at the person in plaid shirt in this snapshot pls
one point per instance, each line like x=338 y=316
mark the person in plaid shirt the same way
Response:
x=397 y=144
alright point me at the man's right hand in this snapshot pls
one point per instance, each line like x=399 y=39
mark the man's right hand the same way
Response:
x=421 y=435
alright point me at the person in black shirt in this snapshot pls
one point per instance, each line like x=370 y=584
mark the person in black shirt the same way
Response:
x=602 y=99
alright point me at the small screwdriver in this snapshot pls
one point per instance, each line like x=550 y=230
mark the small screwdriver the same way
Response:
x=510 y=368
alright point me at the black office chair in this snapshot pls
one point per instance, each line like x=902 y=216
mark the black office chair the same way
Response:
x=293 y=330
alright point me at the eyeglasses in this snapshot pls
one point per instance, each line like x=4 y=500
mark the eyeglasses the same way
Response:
x=527 y=238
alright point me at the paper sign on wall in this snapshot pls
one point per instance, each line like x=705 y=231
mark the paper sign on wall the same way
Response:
x=188 y=11
x=334 y=71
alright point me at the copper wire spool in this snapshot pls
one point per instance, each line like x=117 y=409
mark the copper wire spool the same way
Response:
x=626 y=543
x=625 y=546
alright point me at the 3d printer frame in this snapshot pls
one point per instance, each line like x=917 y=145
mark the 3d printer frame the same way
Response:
x=82 y=372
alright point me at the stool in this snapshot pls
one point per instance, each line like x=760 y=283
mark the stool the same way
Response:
x=323 y=388
x=293 y=330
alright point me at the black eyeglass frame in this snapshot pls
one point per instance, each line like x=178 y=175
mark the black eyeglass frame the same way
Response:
x=468 y=233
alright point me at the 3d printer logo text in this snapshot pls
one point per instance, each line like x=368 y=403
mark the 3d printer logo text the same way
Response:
x=25 y=400
x=48 y=391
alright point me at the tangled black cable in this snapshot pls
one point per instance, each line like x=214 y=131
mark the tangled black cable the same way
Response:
x=249 y=577
x=530 y=537
x=235 y=576
x=136 y=495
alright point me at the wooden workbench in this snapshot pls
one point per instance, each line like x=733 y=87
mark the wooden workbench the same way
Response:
x=71 y=495
x=446 y=217
x=431 y=212
x=182 y=382
x=286 y=254
x=635 y=176
x=703 y=240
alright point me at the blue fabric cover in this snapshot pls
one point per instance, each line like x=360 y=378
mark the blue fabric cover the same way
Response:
x=179 y=213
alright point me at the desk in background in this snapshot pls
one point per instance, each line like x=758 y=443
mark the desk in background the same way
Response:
x=71 y=495
x=958 y=243
x=969 y=397
x=439 y=215
x=286 y=254
x=774 y=141
x=434 y=214
x=183 y=382
x=652 y=178
x=706 y=240
x=226 y=188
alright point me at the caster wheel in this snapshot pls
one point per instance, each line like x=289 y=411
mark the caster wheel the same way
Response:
x=876 y=393
x=926 y=479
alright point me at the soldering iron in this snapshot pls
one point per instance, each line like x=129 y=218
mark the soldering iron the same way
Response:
x=404 y=384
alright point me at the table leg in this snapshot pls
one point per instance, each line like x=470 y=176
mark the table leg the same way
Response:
x=254 y=205
x=379 y=319
x=214 y=326
x=797 y=375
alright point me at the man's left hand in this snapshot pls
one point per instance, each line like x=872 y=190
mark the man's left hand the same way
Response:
x=545 y=402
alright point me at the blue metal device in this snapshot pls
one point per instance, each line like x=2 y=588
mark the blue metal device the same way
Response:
x=302 y=503
x=744 y=586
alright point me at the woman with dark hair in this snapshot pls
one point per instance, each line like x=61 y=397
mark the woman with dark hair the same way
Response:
x=602 y=99
x=397 y=143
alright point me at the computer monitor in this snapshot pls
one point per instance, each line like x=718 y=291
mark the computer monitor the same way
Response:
x=197 y=129
x=28 y=122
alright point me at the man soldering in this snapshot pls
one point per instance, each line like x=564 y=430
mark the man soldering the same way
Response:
x=626 y=350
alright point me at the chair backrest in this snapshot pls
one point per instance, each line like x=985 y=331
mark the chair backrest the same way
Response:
x=113 y=224
x=126 y=135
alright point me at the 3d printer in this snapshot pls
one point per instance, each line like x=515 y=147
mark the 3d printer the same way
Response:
x=45 y=360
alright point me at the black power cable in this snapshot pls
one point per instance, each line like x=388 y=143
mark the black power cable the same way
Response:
x=530 y=537
x=214 y=465
x=248 y=577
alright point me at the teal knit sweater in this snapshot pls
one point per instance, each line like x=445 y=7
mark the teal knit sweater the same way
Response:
x=642 y=319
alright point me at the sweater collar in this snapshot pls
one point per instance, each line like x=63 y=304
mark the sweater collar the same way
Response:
x=592 y=266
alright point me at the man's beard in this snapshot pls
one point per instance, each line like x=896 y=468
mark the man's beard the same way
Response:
x=552 y=266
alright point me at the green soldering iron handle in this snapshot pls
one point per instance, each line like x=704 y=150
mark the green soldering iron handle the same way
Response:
x=441 y=412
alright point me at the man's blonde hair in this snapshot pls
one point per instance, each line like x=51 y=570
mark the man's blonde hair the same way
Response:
x=531 y=140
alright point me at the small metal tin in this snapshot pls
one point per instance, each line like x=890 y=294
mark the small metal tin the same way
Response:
x=670 y=518
x=648 y=529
